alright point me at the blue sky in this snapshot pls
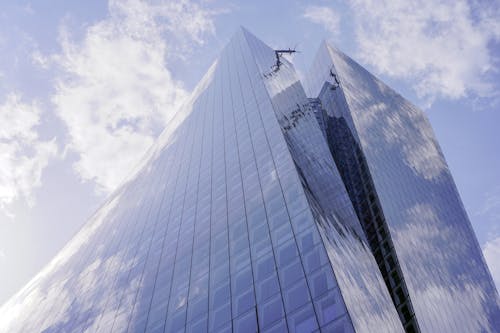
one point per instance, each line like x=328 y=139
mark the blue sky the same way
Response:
x=86 y=87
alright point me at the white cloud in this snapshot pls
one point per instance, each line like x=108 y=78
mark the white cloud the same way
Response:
x=23 y=156
x=441 y=46
x=39 y=59
x=116 y=92
x=491 y=251
x=324 y=16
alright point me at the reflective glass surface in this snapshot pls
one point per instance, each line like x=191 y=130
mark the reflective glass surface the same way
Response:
x=448 y=282
x=212 y=233
x=360 y=283
x=239 y=219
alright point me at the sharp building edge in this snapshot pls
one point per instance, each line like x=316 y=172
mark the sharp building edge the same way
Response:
x=405 y=199
x=263 y=208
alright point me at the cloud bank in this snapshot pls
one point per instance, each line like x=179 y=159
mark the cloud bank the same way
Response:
x=23 y=155
x=115 y=92
x=324 y=16
x=442 y=47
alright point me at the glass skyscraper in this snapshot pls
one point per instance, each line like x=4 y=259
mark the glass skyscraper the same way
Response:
x=261 y=208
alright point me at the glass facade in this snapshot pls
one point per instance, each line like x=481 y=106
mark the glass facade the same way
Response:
x=244 y=218
x=405 y=198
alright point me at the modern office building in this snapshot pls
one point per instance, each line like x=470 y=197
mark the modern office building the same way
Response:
x=261 y=208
